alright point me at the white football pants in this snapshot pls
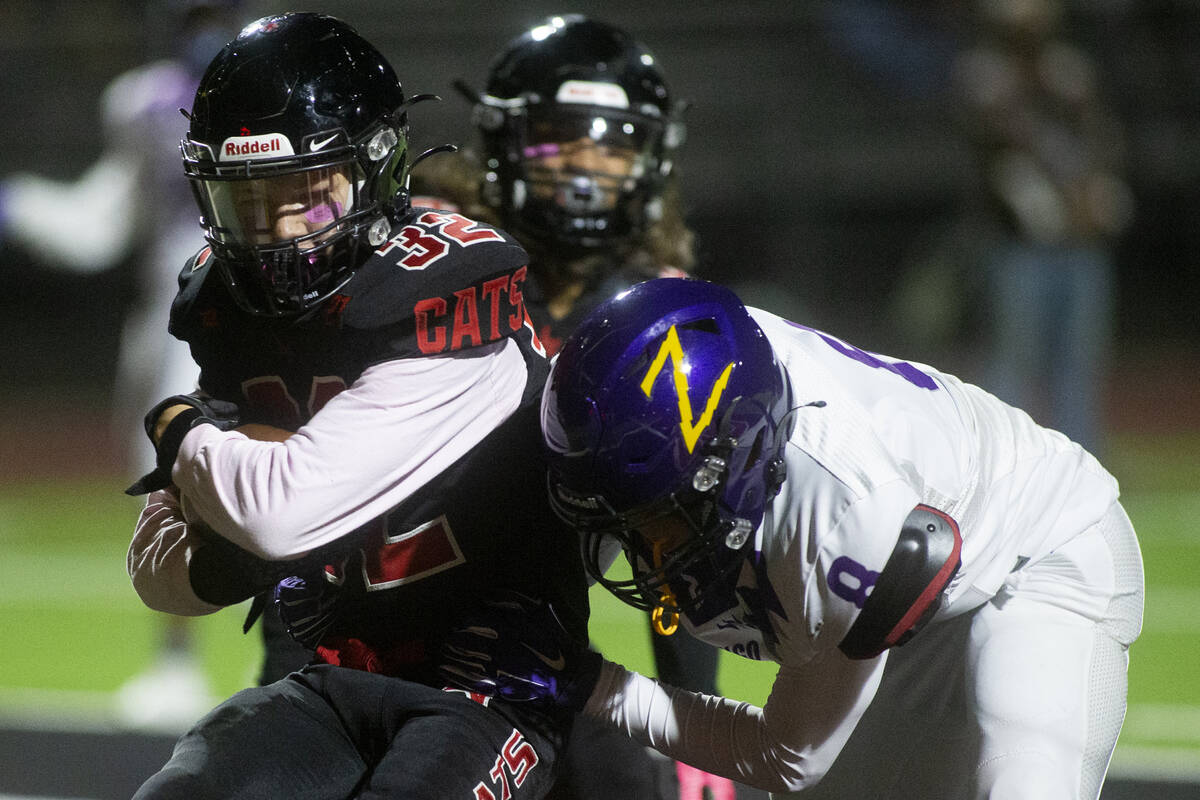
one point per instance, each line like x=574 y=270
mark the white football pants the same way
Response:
x=1021 y=698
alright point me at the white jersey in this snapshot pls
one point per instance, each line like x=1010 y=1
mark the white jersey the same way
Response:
x=874 y=437
x=890 y=435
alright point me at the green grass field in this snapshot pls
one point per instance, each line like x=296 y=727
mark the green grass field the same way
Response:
x=74 y=631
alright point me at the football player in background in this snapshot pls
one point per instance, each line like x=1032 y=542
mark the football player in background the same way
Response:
x=130 y=207
x=578 y=136
x=365 y=366
x=950 y=590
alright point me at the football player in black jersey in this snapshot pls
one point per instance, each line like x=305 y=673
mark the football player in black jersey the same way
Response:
x=578 y=134
x=364 y=446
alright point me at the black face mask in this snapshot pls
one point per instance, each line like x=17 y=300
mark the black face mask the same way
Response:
x=704 y=585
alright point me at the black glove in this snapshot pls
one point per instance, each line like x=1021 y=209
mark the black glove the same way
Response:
x=308 y=606
x=515 y=648
x=201 y=410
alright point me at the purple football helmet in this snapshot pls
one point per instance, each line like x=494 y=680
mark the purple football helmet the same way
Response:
x=666 y=399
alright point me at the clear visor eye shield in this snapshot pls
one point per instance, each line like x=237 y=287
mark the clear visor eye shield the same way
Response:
x=245 y=181
x=257 y=192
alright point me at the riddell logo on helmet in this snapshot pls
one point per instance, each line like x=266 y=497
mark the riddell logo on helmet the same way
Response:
x=248 y=148
x=592 y=93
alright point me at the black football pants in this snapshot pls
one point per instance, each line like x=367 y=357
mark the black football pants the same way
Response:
x=335 y=733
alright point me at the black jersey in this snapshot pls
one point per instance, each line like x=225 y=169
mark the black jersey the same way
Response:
x=615 y=278
x=441 y=284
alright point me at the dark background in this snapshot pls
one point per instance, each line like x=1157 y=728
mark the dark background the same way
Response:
x=822 y=171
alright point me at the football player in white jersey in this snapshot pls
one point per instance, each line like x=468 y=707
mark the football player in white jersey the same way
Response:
x=950 y=590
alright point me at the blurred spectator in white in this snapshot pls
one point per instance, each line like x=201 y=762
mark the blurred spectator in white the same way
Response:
x=133 y=206
x=1050 y=154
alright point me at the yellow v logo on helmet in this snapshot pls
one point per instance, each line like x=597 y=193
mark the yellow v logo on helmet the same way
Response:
x=671 y=348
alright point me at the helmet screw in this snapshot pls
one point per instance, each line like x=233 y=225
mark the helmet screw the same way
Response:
x=709 y=473
x=738 y=536
x=377 y=234
x=381 y=144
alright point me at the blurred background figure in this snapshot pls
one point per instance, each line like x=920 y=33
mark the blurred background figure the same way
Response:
x=576 y=155
x=1049 y=154
x=132 y=206
x=579 y=134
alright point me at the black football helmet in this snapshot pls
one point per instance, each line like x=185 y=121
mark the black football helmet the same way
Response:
x=298 y=156
x=565 y=81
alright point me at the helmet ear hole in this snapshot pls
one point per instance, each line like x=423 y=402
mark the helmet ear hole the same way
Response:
x=637 y=461
x=755 y=450
x=708 y=326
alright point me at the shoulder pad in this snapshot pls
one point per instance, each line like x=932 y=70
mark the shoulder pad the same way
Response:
x=197 y=267
x=193 y=282
x=455 y=282
x=909 y=589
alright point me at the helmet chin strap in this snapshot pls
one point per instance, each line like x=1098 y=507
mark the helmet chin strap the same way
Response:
x=665 y=616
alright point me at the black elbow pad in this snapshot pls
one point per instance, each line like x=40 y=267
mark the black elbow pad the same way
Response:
x=910 y=587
